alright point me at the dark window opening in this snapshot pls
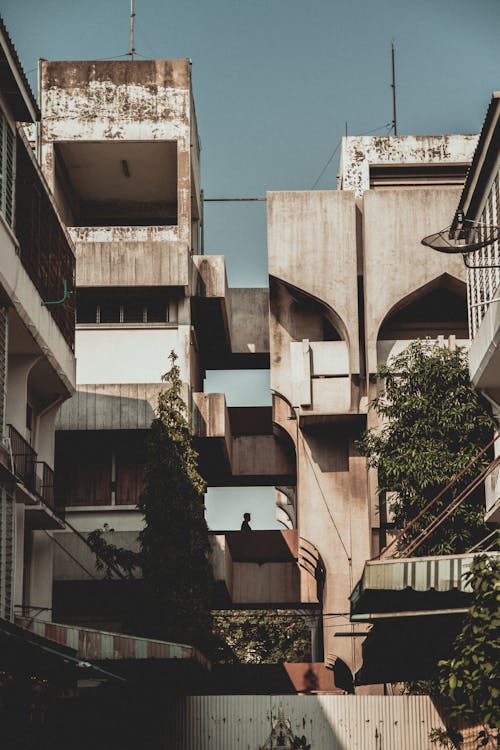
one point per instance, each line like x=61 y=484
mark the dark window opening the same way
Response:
x=137 y=305
x=117 y=183
x=417 y=175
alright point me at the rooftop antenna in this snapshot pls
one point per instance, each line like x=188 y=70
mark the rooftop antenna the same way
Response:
x=393 y=86
x=132 y=17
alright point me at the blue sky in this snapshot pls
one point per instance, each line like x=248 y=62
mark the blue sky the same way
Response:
x=275 y=81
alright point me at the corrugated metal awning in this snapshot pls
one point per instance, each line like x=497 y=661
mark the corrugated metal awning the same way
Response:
x=412 y=584
x=98 y=645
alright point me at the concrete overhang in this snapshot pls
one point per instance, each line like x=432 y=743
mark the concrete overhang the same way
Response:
x=32 y=329
x=484 y=164
x=40 y=516
x=263 y=546
x=228 y=459
x=308 y=420
x=111 y=406
x=231 y=324
x=13 y=82
x=484 y=352
x=127 y=262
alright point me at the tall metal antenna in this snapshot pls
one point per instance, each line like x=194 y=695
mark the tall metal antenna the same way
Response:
x=132 y=17
x=393 y=86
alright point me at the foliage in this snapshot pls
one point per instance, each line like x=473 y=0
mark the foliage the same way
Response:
x=174 y=544
x=470 y=679
x=440 y=737
x=111 y=559
x=432 y=424
x=260 y=637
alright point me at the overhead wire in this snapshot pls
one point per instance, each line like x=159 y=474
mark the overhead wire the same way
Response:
x=330 y=158
x=323 y=497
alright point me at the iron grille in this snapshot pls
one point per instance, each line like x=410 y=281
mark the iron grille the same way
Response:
x=44 y=249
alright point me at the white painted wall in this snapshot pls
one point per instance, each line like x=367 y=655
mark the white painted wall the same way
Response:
x=126 y=355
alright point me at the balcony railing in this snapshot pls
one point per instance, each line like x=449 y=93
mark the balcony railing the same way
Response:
x=23 y=458
x=43 y=246
x=484 y=272
x=39 y=481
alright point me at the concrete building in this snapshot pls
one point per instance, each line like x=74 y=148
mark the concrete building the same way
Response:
x=37 y=363
x=479 y=208
x=350 y=285
x=416 y=606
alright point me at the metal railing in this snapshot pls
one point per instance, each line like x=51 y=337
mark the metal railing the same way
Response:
x=43 y=245
x=484 y=275
x=23 y=458
x=39 y=481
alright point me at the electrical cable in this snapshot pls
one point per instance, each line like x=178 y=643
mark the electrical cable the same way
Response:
x=359 y=135
x=324 y=498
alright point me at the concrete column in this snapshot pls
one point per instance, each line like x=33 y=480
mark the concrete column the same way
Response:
x=39 y=594
x=19 y=367
x=19 y=559
x=45 y=432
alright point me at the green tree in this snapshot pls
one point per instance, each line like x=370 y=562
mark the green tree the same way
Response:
x=432 y=423
x=174 y=542
x=261 y=637
x=470 y=679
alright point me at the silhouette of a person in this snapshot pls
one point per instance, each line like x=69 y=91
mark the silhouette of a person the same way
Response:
x=245 y=526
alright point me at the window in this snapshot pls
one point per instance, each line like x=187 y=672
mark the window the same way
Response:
x=7 y=149
x=417 y=175
x=130 y=306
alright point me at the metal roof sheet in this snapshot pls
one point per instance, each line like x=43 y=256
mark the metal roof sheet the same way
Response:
x=414 y=583
x=98 y=645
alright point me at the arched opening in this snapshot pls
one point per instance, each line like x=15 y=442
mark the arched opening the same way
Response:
x=436 y=309
x=303 y=316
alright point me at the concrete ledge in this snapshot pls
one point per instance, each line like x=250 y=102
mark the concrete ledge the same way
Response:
x=129 y=263
x=118 y=406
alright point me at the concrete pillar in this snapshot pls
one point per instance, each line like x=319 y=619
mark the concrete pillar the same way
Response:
x=39 y=594
x=19 y=559
x=19 y=367
x=45 y=432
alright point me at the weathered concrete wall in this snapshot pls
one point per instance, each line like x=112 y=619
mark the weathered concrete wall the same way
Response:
x=140 y=101
x=136 y=263
x=312 y=247
x=251 y=458
x=113 y=406
x=130 y=355
x=333 y=514
x=358 y=152
x=265 y=583
x=249 y=319
x=396 y=264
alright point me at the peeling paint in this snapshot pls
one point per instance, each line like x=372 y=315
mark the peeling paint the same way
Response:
x=359 y=152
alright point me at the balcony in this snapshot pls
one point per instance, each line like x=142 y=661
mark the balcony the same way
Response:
x=322 y=389
x=44 y=248
x=267 y=568
x=38 y=480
